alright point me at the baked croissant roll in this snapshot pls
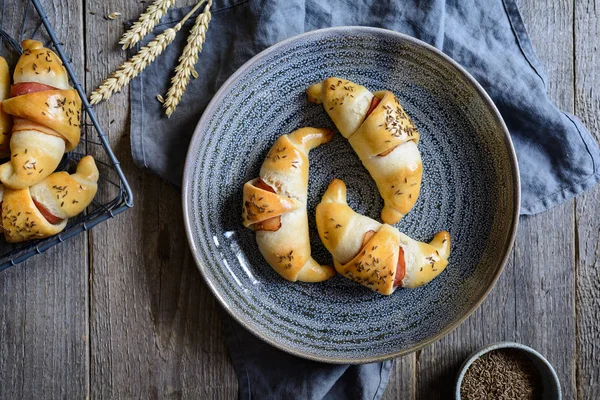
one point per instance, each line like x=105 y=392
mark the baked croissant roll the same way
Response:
x=376 y=255
x=275 y=207
x=44 y=209
x=382 y=135
x=5 y=119
x=46 y=113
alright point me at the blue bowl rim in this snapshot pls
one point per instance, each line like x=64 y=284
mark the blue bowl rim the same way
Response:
x=504 y=345
x=196 y=141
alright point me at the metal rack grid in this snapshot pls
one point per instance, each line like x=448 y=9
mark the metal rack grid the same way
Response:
x=114 y=194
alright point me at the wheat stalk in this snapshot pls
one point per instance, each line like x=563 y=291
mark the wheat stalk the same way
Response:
x=136 y=64
x=188 y=60
x=132 y=67
x=145 y=23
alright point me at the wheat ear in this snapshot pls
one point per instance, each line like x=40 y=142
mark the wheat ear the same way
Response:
x=136 y=64
x=188 y=60
x=145 y=23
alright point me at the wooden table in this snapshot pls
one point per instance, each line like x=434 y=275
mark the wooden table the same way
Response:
x=122 y=312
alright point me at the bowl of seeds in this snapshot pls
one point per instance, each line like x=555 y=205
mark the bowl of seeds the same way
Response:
x=505 y=371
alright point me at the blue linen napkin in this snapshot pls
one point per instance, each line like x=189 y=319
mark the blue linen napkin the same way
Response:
x=558 y=158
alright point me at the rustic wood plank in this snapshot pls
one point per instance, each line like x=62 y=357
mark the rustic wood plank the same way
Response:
x=155 y=329
x=402 y=379
x=533 y=302
x=44 y=302
x=587 y=104
x=545 y=250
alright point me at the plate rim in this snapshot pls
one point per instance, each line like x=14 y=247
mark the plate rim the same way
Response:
x=216 y=100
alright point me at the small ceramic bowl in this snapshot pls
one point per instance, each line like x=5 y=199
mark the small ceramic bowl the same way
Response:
x=550 y=382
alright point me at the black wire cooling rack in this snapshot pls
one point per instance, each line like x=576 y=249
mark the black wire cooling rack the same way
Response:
x=114 y=194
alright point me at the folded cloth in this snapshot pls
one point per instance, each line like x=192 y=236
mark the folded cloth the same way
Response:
x=265 y=372
x=557 y=156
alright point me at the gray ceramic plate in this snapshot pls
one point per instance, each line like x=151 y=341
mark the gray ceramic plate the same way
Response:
x=470 y=187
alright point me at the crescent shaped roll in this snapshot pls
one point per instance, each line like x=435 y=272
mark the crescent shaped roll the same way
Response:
x=22 y=220
x=64 y=195
x=40 y=64
x=382 y=135
x=376 y=255
x=57 y=111
x=44 y=209
x=46 y=115
x=275 y=207
x=5 y=119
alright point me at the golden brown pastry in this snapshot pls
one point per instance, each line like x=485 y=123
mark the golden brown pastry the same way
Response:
x=382 y=135
x=376 y=255
x=46 y=115
x=44 y=209
x=65 y=196
x=275 y=207
x=5 y=119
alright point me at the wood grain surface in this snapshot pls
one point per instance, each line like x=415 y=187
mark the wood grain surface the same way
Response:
x=124 y=313
x=544 y=250
x=155 y=332
x=587 y=215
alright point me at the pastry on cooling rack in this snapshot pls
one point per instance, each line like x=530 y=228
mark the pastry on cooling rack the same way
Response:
x=382 y=135
x=275 y=207
x=46 y=115
x=43 y=209
x=376 y=255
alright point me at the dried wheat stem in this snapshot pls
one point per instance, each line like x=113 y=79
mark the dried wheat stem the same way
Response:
x=188 y=60
x=136 y=64
x=145 y=23
x=132 y=67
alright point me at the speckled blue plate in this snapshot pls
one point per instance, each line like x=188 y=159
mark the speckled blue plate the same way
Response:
x=470 y=187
